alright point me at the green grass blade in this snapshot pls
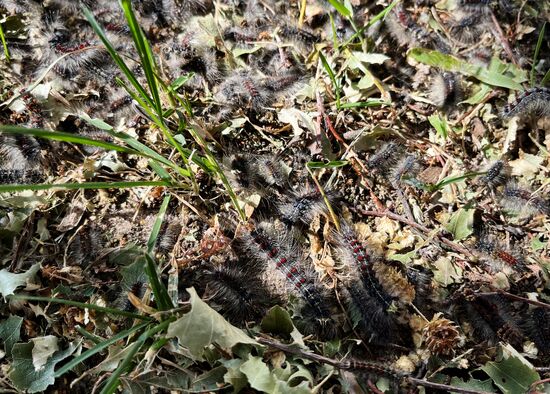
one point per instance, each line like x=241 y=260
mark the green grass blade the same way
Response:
x=98 y=348
x=65 y=137
x=82 y=305
x=332 y=77
x=536 y=55
x=368 y=103
x=340 y=7
x=196 y=133
x=159 y=290
x=113 y=381
x=144 y=51
x=454 y=179
x=157 y=225
x=546 y=78
x=4 y=44
x=83 y=186
x=382 y=14
x=115 y=56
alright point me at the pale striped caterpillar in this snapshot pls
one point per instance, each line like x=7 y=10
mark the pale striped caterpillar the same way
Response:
x=533 y=103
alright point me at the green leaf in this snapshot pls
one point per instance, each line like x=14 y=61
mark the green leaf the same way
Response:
x=446 y=272
x=159 y=290
x=23 y=374
x=157 y=225
x=490 y=75
x=536 y=55
x=473 y=384
x=203 y=326
x=10 y=281
x=44 y=348
x=440 y=125
x=258 y=374
x=277 y=321
x=461 y=224
x=513 y=374
x=10 y=332
x=234 y=375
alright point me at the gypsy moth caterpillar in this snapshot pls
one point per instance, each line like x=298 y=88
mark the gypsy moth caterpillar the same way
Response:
x=520 y=200
x=235 y=289
x=302 y=206
x=244 y=89
x=533 y=103
x=279 y=255
x=497 y=174
x=262 y=174
x=478 y=6
x=370 y=315
x=491 y=319
x=445 y=89
x=168 y=235
x=405 y=169
x=404 y=29
x=394 y=283
x=469 y=27
x=86 y=245
x=499 y=258
x=539 y=329
x=385 y=158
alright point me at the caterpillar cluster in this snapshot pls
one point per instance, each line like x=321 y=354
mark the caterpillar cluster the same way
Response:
x=514 y=197
x=391 y=163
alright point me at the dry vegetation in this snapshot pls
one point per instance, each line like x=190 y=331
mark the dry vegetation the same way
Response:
x=274 y=196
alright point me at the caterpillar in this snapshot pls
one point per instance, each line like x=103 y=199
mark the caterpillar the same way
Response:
x=499 y=257
x=237 y=291
x=521 y=201
x=533 y=103
x=262 y=174
x=244 y=89
x=278 y=256
x=405 y=169
x=404 y=29
x=367 y=299
x=497 y=174
x=385 y=159
x=472 y=6
x=168 y=235
x=445 y=89
x=302 y=206
x=539 y=329
x=86 y=246
x=469 y=27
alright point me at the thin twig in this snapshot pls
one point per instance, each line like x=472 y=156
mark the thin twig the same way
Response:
x=535 y=384
x=503 y=40
x=365 y=366
x=513 y=297
x=420 y=227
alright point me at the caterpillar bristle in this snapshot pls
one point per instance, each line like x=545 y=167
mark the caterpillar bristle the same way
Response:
x=533 y=103
x=445 y=89
x=496 y=175
x=236 y=291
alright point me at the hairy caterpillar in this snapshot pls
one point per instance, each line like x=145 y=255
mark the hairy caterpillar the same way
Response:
x=404 y=29
x=86 y=246
x=474 y=5
x=262 y=174
x=385 y=158
x=168 y=235
x=497 y=174
x=499 y=257
x=469 y=27
x=245 y=90
x=533 y=103
x=491 y=319
x=520 y=200
x=278 y=256
x=445 y=89
x=539 y=329
x=405 y=169
x=367 y=299
x=236 y=289
x=302 y=206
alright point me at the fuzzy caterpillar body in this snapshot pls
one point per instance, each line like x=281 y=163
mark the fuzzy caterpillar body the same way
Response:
x=533 y=102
